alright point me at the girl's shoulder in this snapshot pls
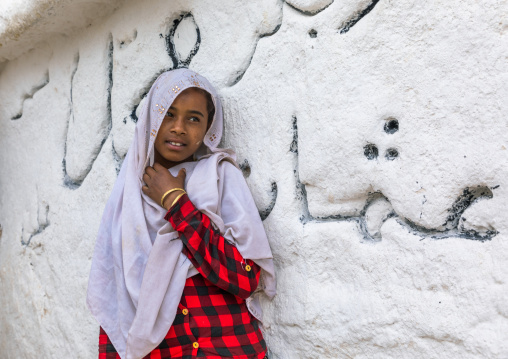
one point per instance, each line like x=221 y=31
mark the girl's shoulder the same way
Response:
x=225 y=160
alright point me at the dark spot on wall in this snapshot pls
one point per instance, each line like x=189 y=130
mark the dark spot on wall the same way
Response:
x=245 y=167
x=391 y=125
x=391 y=154
x=353 y=20
x=294 y=144
x=370 y=151
x=313 y=33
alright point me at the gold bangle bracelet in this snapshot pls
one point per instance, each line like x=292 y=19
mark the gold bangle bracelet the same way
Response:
x=177 y=198
x=168 y=192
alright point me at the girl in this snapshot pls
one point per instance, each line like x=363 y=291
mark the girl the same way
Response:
x=181 y=255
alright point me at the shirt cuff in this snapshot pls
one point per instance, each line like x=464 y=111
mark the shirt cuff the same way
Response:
x=175 y=214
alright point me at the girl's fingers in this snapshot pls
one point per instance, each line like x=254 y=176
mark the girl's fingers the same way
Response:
x=150 y=171
x=181 y=174
x=145 y=189
x=158 y=167
x=146 y=177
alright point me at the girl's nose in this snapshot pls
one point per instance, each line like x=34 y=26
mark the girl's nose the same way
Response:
x=178 y=125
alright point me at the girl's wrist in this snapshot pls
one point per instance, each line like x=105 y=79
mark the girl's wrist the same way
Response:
x=170 y=198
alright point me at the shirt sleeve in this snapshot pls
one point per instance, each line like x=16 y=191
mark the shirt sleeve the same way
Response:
x=214 y=257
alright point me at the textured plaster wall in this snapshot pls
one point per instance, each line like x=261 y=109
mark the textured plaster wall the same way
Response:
x=372 y=133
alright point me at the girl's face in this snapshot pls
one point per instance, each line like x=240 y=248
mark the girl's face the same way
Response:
x=183 y=128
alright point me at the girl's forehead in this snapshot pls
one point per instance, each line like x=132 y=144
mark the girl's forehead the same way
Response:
x=191 y=95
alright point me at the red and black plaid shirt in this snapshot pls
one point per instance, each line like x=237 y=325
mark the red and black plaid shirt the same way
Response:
x=212 y=320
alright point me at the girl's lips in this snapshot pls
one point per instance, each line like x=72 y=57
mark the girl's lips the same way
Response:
x=175 y=146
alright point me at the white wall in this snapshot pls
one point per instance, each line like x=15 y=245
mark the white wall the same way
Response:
x=374 y=135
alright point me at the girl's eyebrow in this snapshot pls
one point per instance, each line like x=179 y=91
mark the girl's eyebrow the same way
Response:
x=195 y=112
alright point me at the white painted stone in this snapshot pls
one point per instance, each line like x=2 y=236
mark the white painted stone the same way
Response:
x=432 y=283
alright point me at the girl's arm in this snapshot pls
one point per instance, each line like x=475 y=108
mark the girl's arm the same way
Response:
x=214 y=257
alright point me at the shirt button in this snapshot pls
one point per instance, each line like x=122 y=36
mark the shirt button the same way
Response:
x=195 y=345
x=185 y=312
x=247 y=268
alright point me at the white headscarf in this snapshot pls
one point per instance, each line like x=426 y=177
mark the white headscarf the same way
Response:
x=138 y=270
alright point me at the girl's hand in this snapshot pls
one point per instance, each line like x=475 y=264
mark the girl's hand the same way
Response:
x=159 y=180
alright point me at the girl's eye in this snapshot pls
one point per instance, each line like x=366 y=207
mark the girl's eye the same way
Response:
x=169 y=114
x=194 y=119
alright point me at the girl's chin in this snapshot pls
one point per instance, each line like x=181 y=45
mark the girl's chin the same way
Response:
x=171 y=158
x=177 y=159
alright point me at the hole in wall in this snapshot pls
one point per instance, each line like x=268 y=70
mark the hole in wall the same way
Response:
x=245 y=167
x=370 y=151
x=391 y=125
x=313 y=33
x=391 y=154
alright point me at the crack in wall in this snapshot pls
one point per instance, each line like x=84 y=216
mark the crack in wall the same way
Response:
x=42 y=226
x=118 y=160
x=264 y=213
x=68 y=181
x=469 y=196
x=30 y=94
x=353 y=20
